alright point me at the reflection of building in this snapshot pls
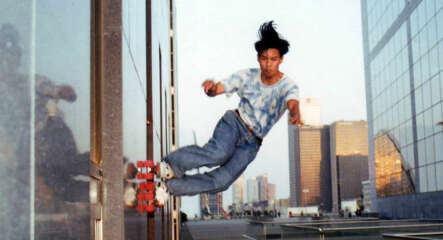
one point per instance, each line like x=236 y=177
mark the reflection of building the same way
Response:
x=393 y=174
x=403 y=70
x=309 y=166
x=252 y=190
x=262 y=182
x=237 y=191
x=310 y=109
x=349 y=152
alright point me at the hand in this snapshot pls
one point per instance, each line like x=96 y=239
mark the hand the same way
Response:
x=295 y=119
x=67 y=93
x=210 y=87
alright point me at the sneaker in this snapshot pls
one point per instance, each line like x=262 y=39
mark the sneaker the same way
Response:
x=164 y=170
x=161 y=194
x=130 y=195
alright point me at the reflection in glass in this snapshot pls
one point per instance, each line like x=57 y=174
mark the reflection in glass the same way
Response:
x=15 y=118
x=393 y=172
x=62 y=108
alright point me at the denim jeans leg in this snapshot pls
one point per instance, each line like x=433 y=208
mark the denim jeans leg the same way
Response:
x=214 y=153
x=218 y=179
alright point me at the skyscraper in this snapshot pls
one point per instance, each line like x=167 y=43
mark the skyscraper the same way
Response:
x=403 y=53
x=252 y=190
x=310 y=109
x=237 y=191
x=309 y=166
x=262 y=182
x=349 y=160
x=271 y=192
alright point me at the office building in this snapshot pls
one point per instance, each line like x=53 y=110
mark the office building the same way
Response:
x=271 y=192
x=262 y=182
x=349 y=164
x=309 y=166
x=403 y=54
x=238 y=191
x=252 y=190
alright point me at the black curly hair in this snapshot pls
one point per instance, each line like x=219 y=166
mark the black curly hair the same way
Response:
x=269 y=38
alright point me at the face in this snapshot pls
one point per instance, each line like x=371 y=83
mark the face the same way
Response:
x=270 y=61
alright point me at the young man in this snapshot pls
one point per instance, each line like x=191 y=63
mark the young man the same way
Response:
x=265 y=94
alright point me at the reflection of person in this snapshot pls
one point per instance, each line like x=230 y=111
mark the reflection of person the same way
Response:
x=16 y=84
x=265 y=95
x=56 y=156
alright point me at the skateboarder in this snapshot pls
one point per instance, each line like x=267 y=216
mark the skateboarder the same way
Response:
x=265 y=93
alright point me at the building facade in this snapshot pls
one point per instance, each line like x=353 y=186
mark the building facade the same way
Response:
x=309 y=166
x=252 y=190
x=271 y=191
x=262 y=184
x=238 y=191
x=88 y=87
x=349 y=164
x=403 y=53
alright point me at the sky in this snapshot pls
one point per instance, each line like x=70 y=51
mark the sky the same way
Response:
x=215 y=39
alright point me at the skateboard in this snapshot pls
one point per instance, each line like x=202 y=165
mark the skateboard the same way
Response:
x=147 y=171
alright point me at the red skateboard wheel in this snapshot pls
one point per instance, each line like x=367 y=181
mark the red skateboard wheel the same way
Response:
x=146 y=176
x=140 y=164
x=149 y=196
x=140 y=197
x=140 y=208
x=149 y=163
x=147 y=186
x=150 y=208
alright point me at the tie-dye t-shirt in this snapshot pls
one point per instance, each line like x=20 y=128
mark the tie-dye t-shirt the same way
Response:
x=261 y=106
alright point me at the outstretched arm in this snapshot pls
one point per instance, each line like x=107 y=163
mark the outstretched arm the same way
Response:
x=212 y=89
x=294 y=112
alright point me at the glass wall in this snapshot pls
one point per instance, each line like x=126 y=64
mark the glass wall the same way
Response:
x=62 y=118
x=134 y=105
x=15 y=118
x=44 y=125
x=427 y=54
x=407 y=95
x=381 y=13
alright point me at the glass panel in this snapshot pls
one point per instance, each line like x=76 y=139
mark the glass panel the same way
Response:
x=423 y=179
x=438 y=143
x=432 y=186
x=441 y=78
x=420 y=126
x=134 y=110
x=429 y=123
x=439 y=20
x=435 y=86
x=15 y=118
x=418 y=100
x=421 y=153
x=437 y=116
x=432 y=31
x=439 y=172
x=426 y=95
x=62 y=117
x=430 y=154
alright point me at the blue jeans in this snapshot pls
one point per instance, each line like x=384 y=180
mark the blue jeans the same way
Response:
x=232 y=147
